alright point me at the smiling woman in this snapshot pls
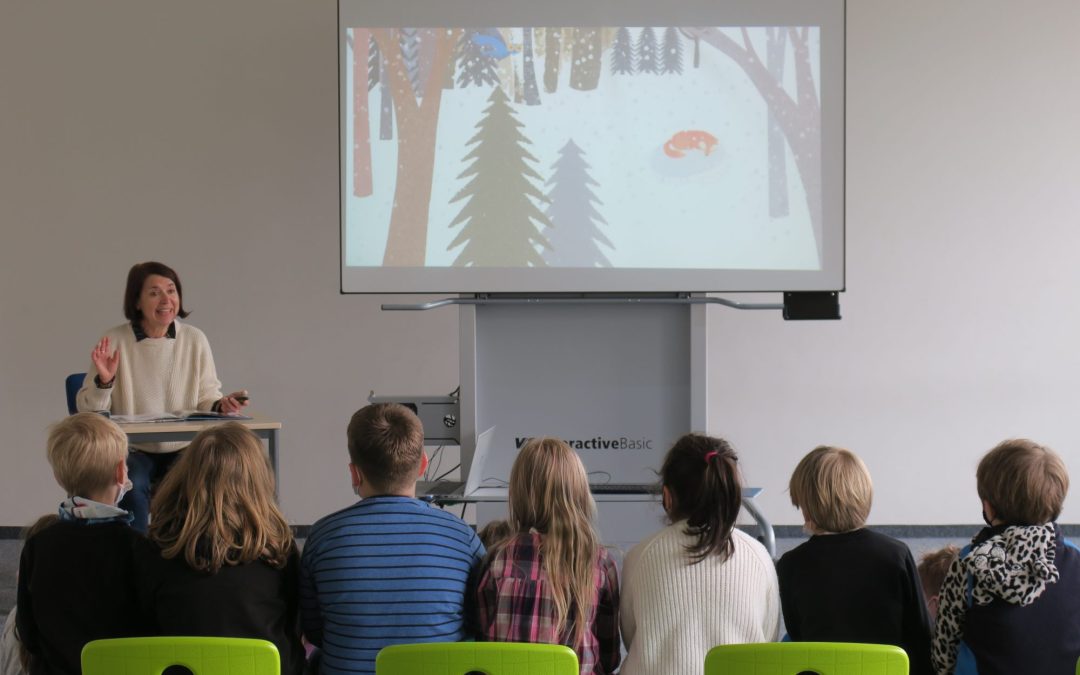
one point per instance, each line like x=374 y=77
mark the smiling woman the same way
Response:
x=153 y=364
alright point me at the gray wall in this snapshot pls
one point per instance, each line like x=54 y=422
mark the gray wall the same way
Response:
x=204 y=134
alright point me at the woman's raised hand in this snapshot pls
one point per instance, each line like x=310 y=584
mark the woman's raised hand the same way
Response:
x=105 y=362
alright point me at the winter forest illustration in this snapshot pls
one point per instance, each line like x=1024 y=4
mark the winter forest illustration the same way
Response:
x=630 y=147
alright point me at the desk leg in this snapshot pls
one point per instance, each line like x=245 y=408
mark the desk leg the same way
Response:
x=272 y=448
x=764 y=526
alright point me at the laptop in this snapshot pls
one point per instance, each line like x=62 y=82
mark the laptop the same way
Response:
x=455 y=488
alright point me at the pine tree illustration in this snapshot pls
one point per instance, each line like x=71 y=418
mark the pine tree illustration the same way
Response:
x=409 y=39
x=373 y=64
x=474 y=66
x=646 y=52
x=622 y=53
x=574 y=231
x=671 y=52
x=500 y=218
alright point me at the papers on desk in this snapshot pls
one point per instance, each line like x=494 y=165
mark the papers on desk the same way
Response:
x=179 y=416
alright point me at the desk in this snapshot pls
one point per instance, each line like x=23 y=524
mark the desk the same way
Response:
x=163 y=432
x=488 y=494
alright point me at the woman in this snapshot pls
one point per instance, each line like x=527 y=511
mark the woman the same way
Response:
x=152 y=364
x=551 y=581
x=699 y=582
x=220 y=560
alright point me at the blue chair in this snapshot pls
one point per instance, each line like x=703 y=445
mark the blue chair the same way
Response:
x=72 y=385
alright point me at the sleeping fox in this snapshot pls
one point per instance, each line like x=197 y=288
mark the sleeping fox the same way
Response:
x=689 y=140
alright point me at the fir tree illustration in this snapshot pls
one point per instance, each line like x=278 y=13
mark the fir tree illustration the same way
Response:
x=410 y=56
x=645 y=51
x=622 y=53
x=671 y=52
x=500 y=220
x=475 y=67
x=574 y=231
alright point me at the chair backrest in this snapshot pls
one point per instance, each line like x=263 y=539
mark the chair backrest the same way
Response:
x=72 y=384
x=489 y=658
x=791 y=658
x=200 y=655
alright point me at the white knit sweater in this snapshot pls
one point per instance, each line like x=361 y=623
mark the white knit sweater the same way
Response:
x=155 y=375
x=672 y=612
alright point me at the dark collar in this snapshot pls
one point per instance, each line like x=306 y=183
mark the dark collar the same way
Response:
x=140 y=334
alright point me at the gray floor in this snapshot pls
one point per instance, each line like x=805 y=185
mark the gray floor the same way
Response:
x=10 y=549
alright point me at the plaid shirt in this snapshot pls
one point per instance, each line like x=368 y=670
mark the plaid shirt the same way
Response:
x=515 y=605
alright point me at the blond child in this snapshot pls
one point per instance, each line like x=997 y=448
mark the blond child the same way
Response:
x=77 y=576
x=848 y=583
x=1011 y=602
x=551 y=581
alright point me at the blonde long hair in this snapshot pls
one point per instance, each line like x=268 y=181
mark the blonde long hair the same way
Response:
x=216 y=506
x=549 y=492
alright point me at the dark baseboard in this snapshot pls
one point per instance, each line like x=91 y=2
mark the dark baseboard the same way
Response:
x=961 y=532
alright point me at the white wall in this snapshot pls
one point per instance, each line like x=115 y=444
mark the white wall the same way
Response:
x=204 y=134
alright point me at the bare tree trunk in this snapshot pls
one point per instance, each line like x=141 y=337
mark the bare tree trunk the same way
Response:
x=406 y=244
x=585 y=69
x=552 y=44
x=532 y=94
x=362 y=186
x=800 y=121
x=778 y=187
x=386 y=104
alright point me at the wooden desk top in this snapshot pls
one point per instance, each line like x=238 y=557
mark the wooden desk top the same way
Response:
x=257 y=422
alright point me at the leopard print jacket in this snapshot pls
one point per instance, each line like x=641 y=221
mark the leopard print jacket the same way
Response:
x=1015 y=565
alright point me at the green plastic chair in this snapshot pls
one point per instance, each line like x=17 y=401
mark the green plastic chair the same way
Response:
x=791 y=658
x=489 y=658
x=200 y=655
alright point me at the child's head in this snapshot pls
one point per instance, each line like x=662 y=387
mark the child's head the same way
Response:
x=549 y=492
x=832 y=488
x=88 y=455
x=494 y=532
x=216 y=505
x=701 y=483
x=1022 y=483
x=386 y=445
x=933 y=566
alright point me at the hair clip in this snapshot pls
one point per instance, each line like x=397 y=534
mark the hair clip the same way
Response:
x=710 y=454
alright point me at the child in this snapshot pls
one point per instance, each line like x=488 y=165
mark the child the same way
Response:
x=494 y=532
x=14 y=659
x=389 y=569
x=699 y=582
x=932 y=569
x=76 y=577
x=1011 y=602
x=221 y=560
x=847 y=583
x=552 y=581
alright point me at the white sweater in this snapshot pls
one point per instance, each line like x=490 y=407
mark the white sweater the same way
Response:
x=673 y=613
x=155 y=375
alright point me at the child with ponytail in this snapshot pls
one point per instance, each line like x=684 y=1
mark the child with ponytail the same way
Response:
x=551 y=581
x=699 y=582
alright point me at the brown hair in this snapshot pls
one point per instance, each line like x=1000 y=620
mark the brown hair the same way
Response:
x=386 y=442
x=933 y=566
x=494 y=532
x=833 y=488
x=216 y=505
x=549 y=492
x=702 y=475
x=1025 y=482
x=84 y=451
x=136 y=278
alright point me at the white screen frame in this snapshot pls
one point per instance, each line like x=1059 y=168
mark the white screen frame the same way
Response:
x=830 y=15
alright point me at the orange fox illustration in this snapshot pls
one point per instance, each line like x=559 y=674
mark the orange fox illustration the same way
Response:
x=691 y=139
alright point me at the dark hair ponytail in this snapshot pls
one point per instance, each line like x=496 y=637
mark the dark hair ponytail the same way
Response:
x=702 y=475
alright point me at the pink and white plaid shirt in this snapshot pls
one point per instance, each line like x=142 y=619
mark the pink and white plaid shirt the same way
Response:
x=515 y=605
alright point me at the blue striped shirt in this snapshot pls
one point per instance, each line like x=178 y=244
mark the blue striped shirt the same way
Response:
x=386 y=570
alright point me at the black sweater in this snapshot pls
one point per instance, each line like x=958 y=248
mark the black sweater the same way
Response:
x=254 y=600
x=859 y=586
x=76 y=584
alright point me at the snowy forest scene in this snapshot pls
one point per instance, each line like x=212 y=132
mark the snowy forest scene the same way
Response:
x=585 y=147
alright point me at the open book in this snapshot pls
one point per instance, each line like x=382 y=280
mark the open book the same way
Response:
x=179 y=416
